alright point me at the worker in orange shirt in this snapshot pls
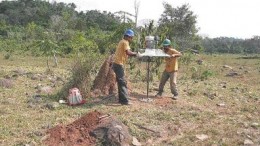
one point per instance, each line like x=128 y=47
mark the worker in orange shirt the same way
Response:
x=171 y=69
x=120 y=59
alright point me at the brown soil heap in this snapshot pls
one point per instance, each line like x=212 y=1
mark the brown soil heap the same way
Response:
x=84 y=132
x=105 y=82
x=74 y=134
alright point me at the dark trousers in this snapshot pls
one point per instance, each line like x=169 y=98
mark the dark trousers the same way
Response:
x=121 y=83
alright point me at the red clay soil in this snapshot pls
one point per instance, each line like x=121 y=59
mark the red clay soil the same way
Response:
x=76 y=133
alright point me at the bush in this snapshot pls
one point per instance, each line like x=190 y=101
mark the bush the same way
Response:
x=81 y=75
x=7 y=56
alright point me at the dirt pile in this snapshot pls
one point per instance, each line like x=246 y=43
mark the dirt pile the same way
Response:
x=89 y=130
x=105 y=81
x=74 y=134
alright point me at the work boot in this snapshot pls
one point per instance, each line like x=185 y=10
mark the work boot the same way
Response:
x=159 y=94
x=126 y=103
x=175 y=96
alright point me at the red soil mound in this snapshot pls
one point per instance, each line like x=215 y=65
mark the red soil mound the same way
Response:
x=76 y=133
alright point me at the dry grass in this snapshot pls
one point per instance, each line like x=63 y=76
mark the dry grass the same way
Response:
x=224 y=108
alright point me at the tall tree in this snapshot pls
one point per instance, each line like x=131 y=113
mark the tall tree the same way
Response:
x=179 y=25
x=104 y=20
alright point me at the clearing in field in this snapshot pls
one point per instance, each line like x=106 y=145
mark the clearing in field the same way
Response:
x=219 y=104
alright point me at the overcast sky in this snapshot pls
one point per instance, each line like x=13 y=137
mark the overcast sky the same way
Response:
x=215 y=18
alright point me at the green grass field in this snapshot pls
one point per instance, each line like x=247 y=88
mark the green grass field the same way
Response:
x=217 y=105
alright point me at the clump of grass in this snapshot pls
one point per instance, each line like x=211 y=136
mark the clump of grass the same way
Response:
x=7 y=56
x=193 y=92
x=201 y=74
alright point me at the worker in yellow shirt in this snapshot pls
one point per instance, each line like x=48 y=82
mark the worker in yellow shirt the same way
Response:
x=171 y=69
x=120 y=58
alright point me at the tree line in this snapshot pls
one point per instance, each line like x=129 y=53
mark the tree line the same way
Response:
x=43 y=28
x=232 y=45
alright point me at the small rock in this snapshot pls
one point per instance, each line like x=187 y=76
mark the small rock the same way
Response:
x=6 y=83
x=33 y=143
x=53 y=80
x=221 y=104
x=20 y=71
x=45 y=137
x=135 y=142
x=255 y=125
x=199 y=61
x=53 y=105
x=31 y=105
x=226 y=66
x=38 y=133
x=202 y=136
x=37 y=98
x=38 y=86
x=248 y=142
x=149 y=142
x=146 y=100
x=211 y=95
x=45 y=89
x=231 y=74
